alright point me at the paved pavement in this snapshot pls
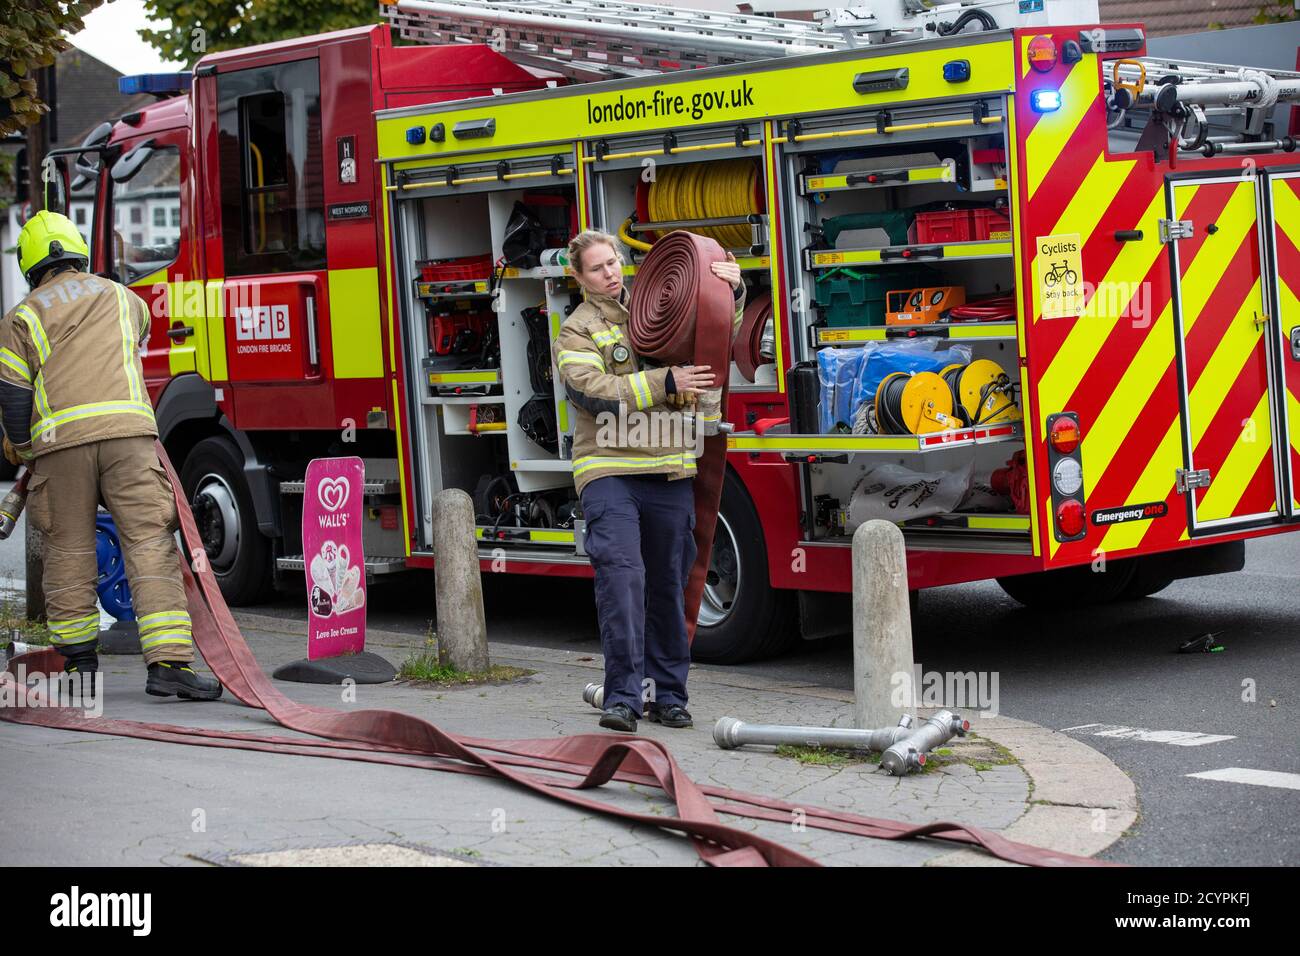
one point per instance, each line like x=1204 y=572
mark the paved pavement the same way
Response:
x=175 y=805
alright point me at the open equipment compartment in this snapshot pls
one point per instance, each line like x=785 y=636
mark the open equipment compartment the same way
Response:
x=709 y=180
x=488 y=418
x=904 y=381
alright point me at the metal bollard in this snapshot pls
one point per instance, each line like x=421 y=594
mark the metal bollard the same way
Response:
x=909 y=754
x=730 y=733
x=882 y=622
x=462 y=628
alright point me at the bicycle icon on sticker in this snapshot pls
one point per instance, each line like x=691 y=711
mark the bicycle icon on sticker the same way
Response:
x=1059 y=271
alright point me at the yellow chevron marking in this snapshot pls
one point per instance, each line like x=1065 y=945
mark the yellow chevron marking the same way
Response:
x=1239 y=340
x=1103 y=438
x=1046 y=141
x=1227 y=487
x=1155 y=484
x=1090 y=332
x=1099 y=187
x=1286 y=209
x=1202 y=276
x=1293 y=414
x=1052 y=543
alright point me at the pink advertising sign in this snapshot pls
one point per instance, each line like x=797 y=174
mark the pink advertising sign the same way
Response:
x=335 y=558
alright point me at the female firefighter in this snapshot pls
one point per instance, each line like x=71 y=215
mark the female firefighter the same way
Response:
x=637 y=494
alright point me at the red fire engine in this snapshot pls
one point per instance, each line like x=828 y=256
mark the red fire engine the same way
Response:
x=1025 y=291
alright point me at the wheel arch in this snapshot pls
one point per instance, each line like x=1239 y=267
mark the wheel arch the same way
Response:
x=187 y=413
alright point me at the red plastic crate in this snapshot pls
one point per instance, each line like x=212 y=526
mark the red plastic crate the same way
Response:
x=992 y=224
x=456 y=270
x=944 y=225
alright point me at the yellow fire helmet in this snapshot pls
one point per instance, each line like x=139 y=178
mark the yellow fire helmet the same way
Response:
x=49 y=237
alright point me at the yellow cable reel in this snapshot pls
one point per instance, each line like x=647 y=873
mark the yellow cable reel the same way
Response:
x=922 y=406
x=987 y=394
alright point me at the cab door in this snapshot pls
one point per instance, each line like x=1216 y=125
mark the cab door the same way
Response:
x=149 y=217
x=1282 y=231
x=1231 y=467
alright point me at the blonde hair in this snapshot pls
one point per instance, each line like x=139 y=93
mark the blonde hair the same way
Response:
x=584 y=241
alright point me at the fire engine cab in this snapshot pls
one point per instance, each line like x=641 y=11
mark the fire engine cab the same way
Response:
x=1012 y=283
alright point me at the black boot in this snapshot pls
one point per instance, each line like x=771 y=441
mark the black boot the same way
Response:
x=82 y=662
x=177 y=678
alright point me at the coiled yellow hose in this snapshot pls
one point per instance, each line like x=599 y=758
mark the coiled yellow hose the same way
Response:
x=703 y=191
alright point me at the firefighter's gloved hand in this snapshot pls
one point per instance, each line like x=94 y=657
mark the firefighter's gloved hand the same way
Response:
x=11 y=453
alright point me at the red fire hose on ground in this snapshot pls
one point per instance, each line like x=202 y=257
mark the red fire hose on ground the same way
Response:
x=584 y=761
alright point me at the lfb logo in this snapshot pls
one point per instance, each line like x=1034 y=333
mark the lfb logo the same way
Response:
x=332 y=493
x=262 y=322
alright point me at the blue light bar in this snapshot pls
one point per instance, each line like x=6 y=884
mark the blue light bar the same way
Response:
x=158 y=83
x=1045 y=101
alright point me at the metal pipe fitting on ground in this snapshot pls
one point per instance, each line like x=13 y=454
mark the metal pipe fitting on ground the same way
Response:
x=594 y=694
x=909 y=753
x=730 y=733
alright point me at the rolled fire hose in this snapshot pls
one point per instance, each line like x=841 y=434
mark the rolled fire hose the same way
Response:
x=398 y=739
x=747 y=350
x=681 y=315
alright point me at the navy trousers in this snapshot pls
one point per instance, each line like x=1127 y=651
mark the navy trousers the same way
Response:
x=641 y=539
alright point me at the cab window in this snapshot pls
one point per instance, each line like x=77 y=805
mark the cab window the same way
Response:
x=144 y=208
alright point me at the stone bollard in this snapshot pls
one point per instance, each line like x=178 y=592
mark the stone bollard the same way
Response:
x=462 y=630
x=882 y=625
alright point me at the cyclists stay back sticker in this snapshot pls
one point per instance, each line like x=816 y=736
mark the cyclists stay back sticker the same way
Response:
x=1058 y=267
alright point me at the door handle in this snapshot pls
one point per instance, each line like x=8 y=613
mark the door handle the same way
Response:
x=178 y=332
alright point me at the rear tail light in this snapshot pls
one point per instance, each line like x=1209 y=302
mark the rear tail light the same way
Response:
x=1064 y=435
x=1065 y=462
x=1070 y=518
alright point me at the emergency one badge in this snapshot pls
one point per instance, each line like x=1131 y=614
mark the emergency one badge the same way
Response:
x=621 y=354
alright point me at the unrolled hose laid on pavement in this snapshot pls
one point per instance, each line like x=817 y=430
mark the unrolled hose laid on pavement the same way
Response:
x=392 y=737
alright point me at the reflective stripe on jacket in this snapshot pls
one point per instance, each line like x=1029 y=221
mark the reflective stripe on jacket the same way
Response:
x=72 y=348
x=608 y=389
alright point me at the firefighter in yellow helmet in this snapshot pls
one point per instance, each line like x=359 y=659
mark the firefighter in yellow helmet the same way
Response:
x=75 y=410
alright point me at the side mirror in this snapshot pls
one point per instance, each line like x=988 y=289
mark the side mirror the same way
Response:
x=86 y=165
x=126 y=167
x=56 y=184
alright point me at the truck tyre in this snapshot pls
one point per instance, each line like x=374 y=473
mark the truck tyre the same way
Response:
x=742 y=617
x=1067 y=587
x=240 y=555
x=1147 y=580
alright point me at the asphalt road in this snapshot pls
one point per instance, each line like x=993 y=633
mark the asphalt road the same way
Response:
x=1110 y=667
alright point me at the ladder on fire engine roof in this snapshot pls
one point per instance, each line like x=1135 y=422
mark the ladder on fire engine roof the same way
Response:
x=603 y=39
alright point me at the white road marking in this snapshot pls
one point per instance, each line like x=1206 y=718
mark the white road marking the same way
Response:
x=1260 y=778
x=1179 y=738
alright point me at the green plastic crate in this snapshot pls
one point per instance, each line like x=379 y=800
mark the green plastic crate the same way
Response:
x=855 y=297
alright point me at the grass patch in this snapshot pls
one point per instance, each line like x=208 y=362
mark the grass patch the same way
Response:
x=424 y=667
x=825 y=757
x=14 y=625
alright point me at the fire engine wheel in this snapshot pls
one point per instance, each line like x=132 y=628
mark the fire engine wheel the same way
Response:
x=1146 y=582
x=742 y=617
x=1071 y=586
x=240 y=555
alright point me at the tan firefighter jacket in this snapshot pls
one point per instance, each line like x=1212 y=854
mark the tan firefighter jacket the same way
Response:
x=70 y=370
x=609 y=384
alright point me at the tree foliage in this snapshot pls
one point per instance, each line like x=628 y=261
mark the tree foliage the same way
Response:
x=203 y=26
x=32 y=34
